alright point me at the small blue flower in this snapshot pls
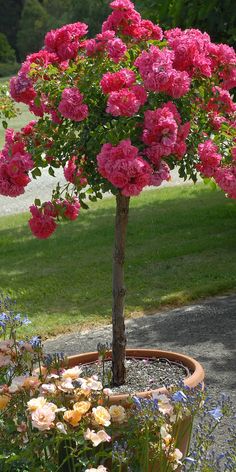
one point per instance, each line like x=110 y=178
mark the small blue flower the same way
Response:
x=216 y=413
x=35 y=341
x=179 y=396
x=26 y=321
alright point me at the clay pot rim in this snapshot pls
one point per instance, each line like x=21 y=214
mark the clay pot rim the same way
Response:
x=196 y=378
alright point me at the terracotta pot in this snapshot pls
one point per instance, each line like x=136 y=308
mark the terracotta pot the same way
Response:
x=195 y=377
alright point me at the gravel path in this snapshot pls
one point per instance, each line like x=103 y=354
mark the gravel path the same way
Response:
x=42 y=188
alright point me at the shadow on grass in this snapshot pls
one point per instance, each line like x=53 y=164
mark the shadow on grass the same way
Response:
x=180 y=246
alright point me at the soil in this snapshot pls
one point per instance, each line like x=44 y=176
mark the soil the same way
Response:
x=141 y=374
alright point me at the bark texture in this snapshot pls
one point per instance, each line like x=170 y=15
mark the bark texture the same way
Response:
x=118 y=322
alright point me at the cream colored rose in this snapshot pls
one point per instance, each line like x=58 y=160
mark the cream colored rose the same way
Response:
x=100 y=468
x=164 y=404
x=43 y=418
x=72 y=417
x=175 y=457
x=36 y=403
x=4 y=400
x=97 y=438
x=73 y=373
x=82 y=406
x=118 y=413
x=102 y=416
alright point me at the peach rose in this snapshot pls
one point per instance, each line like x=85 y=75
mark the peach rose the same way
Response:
x=101 y=416
x=83 y=407
x=4 y=400
x=43 y=418
x=5 y=360
x=72 y=417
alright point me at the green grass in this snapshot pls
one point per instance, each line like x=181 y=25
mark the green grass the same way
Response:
x=180 y=247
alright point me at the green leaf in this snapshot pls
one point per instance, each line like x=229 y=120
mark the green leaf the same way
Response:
x=4 y=124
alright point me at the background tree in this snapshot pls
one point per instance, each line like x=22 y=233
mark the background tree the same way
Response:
x=7 y=54
x=33 y=25
x=9 y=20
x=217 y=17
x=92 y=12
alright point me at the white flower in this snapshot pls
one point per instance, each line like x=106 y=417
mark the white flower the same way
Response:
x=61 y=427
x=66 y=386
x=118 y=413
x=164 y=404
x=100 y=468
x=73 y=373
x=48 y=388
x=176 y=457
x=92 y=384
x=96 y=438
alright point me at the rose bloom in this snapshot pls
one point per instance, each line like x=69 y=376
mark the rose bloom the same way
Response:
x=100 y=468
x=72 y=373
x=82 y=407
x=4 y=360
x=4 y=400
x=96 y=438
x=164 y=404
x=118 y=413
x=36 y=403
x=43 y=418
x=101 y=416
x=72 y=417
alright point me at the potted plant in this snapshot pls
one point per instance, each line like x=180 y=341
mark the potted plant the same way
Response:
x=118 y=112
x=57 y=419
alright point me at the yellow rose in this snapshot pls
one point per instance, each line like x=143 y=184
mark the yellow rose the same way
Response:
x=83 y=407
x=101 y=416
x=72 y=417
x=4 y=400
x=118 y=414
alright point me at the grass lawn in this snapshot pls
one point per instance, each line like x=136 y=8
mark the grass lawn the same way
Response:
x=18 y=122
x=180 y=246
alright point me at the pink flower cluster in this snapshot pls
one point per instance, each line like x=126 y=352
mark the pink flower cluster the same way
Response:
x=64 y=42
x=195 y=54
x=73 y=174
x=71 y=105
x=15 y=163
x=112 y=82
x=42 y=222
x=22 y=86
x=124 y=168
x=225 y=177
x=211 y=165
x=210 y=158
x=124 y=99
x=159 y=75
x=127 y=21
x=106 y=41
x=163 y=133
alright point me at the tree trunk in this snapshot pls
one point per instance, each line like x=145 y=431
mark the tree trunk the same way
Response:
x=118 y=288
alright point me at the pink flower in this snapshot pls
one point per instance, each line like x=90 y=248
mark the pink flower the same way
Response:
x=225 y=177
x=65 y=41
x=73 y=174
x=125 y=21
x=123 y=167
x=112 y=82
x=21 y=88
x=123 y=103
x=147 y=30
x=159 y=75
x=41 y=224
x=163 y=173
x=71 y=209
x=42 y=418
x=210 y=159
x=71 y=105
x=116 y=49
x=160 y=130
x=122 y=5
